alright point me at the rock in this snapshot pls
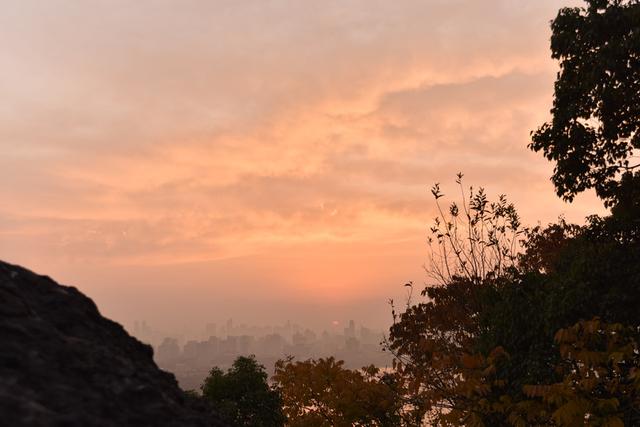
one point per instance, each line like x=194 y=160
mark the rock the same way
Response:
x=63 y=364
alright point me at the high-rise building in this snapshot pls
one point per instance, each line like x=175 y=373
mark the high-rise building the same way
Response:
x=211 y=330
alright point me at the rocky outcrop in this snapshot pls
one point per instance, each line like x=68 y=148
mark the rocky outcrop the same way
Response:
x=63 y=364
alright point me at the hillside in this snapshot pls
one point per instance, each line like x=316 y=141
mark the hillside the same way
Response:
x=62 y=363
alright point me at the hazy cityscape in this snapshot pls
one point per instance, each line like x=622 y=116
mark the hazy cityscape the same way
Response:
x=320 y=214
x=190 y=360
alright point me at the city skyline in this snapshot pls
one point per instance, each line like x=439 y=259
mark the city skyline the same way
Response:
x=190 y=359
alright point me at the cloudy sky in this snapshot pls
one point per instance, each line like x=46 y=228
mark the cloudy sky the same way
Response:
x=180 y=161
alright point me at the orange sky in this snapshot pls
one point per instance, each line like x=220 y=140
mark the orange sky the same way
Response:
x=183 y=161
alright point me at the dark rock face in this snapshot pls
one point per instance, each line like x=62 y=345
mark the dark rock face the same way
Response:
x=63 y=364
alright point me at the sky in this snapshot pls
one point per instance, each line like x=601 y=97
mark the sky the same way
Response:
x=184 y=162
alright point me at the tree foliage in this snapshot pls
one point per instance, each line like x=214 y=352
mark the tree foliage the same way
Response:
x=474 y=350
x=600 y=383
x=435 y=342
x=594 y=134
x=323 y=392
x=474 y=239
x=243 y=396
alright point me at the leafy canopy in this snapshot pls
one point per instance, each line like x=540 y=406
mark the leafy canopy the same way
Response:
x=323 y=393
x=593 y=136
x=243 y=396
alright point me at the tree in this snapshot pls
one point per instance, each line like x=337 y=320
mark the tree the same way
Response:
x=322 y=392
x=474 y=246
x=470 y=352
x=600 y=365
x=594 y=134
x=501 y=337
x=243 y=396
x=473 y=240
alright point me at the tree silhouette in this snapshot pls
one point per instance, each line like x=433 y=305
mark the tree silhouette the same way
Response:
x=243 y=396
x=593 y=136
x=513 y=346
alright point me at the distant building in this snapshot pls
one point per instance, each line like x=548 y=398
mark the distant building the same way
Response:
x=350 y=331
x=211 y=330
x=352 y=344
x=367 y=336
x=273 y=344
x=245 y=344
x=209 y=350
x=192 y=349
x=229 y=346
x=168 y=350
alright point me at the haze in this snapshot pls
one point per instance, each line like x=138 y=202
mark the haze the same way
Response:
x=186 y=162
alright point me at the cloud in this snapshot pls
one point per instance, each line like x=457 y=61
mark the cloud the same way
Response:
x=149 y=133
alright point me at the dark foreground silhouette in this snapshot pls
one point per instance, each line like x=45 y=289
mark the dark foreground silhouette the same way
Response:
x=63 y=364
